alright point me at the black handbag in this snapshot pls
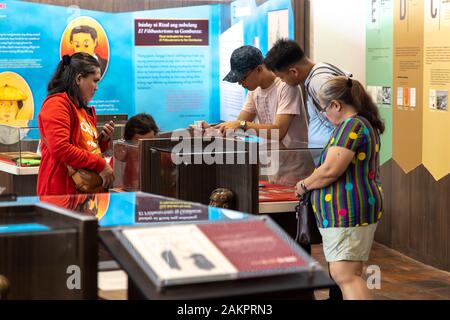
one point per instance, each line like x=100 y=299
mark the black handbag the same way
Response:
x=307 y=230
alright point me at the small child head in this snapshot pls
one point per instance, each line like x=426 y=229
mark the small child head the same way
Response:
x=140 y=126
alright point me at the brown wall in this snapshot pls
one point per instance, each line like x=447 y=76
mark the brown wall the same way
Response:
x=416 y=219
x=127 y=5
x=302 y=21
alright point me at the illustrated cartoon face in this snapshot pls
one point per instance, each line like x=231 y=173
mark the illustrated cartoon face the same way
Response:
x=8 y=110
x=83 y=42
x=11 y=101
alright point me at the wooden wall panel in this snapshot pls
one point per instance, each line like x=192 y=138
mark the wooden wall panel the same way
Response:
x=419 y=203
x=301 y=27
x=416 y=218
x=400 y=209
x=383 y=233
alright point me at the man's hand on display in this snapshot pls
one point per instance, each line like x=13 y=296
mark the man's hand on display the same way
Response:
x=200 y=125
x=107 y=132
x=108 y=176
x=229 y=125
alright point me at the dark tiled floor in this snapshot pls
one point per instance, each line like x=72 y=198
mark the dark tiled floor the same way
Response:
x=402 y=278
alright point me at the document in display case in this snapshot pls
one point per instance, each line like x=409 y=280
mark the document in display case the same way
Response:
x=209 y=252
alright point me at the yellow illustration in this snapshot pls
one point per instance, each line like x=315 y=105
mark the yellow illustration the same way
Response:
x=11 y=101
x=16 y=100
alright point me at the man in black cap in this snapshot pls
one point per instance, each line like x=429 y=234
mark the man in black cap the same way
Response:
x=277 y=105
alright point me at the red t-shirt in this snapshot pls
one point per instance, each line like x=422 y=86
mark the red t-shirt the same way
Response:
x=69 y=138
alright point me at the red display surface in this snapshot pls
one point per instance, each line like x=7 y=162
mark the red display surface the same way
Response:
x=269 y=192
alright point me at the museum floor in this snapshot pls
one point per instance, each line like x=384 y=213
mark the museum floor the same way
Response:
x=401 y=278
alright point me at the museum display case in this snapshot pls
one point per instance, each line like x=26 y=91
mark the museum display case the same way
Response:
x=174 y=249
x=47 y=252
x=19 y=159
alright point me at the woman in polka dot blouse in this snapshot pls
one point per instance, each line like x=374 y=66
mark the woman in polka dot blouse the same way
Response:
x=346 y=190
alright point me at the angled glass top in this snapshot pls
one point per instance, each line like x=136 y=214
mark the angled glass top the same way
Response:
x=135 y=208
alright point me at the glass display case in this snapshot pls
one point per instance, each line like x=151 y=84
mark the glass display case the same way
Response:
x=224 y=253
x=19 y=150
x=173 y=249
x=126 y=165
x=280 y=170
x=19 y=160
x=194 y=168
x=41 y=246
x=136 y=209
x=213 y=251
x=261 y=174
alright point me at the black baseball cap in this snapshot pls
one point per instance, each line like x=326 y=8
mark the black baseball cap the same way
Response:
x=243 y=60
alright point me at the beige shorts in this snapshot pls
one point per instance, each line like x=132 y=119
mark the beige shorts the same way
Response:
x=351 y=244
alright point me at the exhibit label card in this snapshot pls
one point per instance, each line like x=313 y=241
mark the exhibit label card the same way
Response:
x=153 y=209
x=408 y=83
x=251 y=246
x=436 y=116
x=379 y=64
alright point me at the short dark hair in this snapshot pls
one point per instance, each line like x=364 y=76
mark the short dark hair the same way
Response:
x=84 y=29
x=141 y=123
x=65 y=77
x=284 y=54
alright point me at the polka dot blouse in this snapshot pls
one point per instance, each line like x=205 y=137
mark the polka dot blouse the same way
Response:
x=356 y=198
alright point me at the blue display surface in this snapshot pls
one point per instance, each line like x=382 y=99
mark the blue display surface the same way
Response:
x=25 y=227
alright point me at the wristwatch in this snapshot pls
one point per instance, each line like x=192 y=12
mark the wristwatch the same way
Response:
x=243 y=125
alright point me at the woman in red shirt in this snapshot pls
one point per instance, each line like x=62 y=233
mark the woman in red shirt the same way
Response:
x=68 y=127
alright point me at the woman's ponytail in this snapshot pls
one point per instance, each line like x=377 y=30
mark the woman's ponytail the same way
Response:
x=352 y=92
